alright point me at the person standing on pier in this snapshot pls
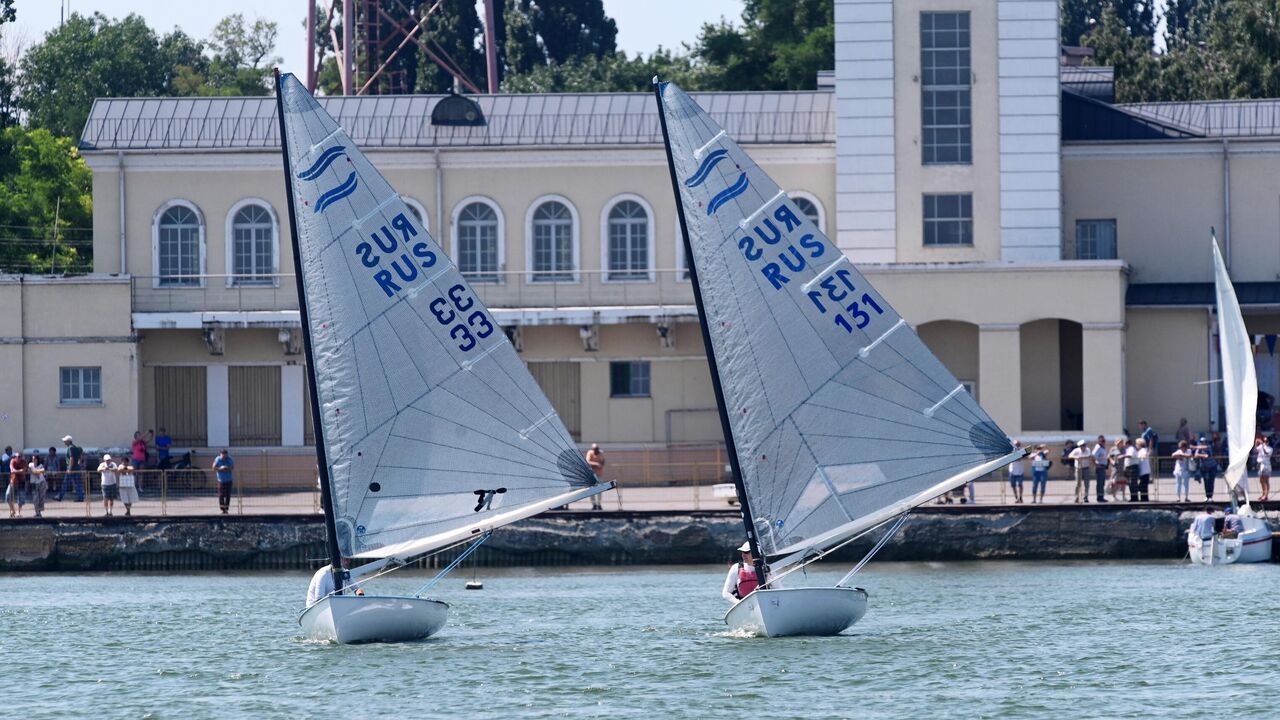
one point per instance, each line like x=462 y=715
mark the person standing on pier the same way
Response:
x=1040 y=463
x=110 y=484
x=1207 y=465
x=38 y=486
x=17 y=490
x=1182 y=471
x=1264 y=467
x=595 y=460
x=1131 y=469
x=1080 y=460
x=128 y=487
x=1017 y=473
x=1144 y=469
x=163 y=443
x=1100 y=462
x=75 y=466
x=224 y=466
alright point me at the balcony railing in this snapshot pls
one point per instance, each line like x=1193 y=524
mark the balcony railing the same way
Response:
x=509 y=289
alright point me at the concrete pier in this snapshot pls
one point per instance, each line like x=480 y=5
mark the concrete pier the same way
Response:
x=952 y=532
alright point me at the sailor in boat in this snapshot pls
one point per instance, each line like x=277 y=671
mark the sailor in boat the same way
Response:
x=322 y=583
x=741 y=580
x=1202 y=526
x=1232 y=525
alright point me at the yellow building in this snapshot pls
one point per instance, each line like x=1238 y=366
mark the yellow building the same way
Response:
x=1050 y=245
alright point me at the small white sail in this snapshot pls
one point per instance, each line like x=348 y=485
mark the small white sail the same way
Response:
x=841 y=415
x=433 y=427
x=1239 y=379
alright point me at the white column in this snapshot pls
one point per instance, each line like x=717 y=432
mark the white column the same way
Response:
x=218 y=405
x=1000 y=374
x=866 y=203
x=1104 y=378
x=292 y=382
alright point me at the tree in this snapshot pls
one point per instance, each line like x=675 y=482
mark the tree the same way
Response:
x=46 y=208
x=542 y=32
x=1137 y=70
x=781 y=45
x=455 y=33
x=1080 y=17
x=614 y=73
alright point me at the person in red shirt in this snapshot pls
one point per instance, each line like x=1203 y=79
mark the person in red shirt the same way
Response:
x=16 y=493
x=139 y=448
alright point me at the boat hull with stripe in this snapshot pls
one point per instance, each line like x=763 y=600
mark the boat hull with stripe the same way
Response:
x=1253 y=545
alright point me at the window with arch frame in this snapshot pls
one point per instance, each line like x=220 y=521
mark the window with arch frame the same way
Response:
x=477 y=242
x=553 y=243
x=628 y=242
x=253 y=240
x=809 y=209
x=178 y=247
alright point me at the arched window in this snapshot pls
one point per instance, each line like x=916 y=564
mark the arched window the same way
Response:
x=628 y=244
x=419 y=212
x=253 y=244
x=179 y=241
x=553 y=236
x=809 y=207
x=477 y=241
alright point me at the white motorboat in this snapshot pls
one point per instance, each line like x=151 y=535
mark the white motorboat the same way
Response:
x=415 y=387
x=836 y=416
x=1239 y=395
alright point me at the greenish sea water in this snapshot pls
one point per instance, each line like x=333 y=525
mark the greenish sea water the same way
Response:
x=940 y=640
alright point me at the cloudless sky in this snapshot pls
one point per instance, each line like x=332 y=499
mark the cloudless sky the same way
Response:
x=643 y=25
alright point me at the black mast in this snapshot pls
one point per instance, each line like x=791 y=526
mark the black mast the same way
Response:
x=730 y=446
x=326 y=498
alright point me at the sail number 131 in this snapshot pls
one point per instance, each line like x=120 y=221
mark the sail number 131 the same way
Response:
x=850 y=310
x=470 y=326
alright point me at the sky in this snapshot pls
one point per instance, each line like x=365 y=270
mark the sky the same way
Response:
x=643 y=25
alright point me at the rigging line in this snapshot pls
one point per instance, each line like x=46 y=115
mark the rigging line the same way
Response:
x=394 y=565
x=827 y=551
x=875 y=549
x=456 y=562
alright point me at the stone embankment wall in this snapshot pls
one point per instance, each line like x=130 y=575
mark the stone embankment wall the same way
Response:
x=562 y=539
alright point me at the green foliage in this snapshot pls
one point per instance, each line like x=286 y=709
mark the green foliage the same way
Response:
x=1080 y=17
x=1137 y=70
x=454 y=33
x=7 y=12
x=45 y=204
x=781 y=45
x=541 y=33
x=615 y=73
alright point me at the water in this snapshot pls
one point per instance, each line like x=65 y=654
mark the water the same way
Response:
x=953 y=640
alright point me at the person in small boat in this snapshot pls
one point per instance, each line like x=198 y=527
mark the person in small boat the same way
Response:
x=1232 y=525
x=322 y=583
x=1202 y=526
x=741 y=580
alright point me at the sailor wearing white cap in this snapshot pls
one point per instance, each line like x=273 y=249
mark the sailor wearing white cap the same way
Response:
x=741 y=580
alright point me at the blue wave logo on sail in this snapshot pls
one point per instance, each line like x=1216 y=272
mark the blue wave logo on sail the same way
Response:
x=728 y=194
x=704 y=169
x=323 y=162
x=347 y=187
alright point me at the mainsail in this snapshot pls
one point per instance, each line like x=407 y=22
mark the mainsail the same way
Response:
x=1239 y=379
x=432 y=426
x=841 y=416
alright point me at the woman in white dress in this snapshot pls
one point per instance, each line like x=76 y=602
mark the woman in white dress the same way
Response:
x=1263 y=456
x=128 y=486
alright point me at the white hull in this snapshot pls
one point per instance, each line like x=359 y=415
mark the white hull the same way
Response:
x=373 y=618
x=1253 y=545
x=798 y=611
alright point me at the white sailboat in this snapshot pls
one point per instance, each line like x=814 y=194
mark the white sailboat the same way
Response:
x=836 y=416
x=430 y=431
x=1239 y=393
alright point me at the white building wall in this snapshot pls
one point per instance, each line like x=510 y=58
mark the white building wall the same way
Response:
x=1030 y=155
x=866 y=215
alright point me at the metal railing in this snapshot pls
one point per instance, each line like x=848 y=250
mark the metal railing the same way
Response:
x=504 y=289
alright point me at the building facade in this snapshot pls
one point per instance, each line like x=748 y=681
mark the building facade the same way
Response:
x=1050 y=245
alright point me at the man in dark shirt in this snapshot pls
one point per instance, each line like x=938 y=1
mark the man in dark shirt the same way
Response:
x=75 y=469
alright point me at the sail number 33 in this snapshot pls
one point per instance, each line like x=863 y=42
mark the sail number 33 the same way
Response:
x=850 y=311
x=470 y=327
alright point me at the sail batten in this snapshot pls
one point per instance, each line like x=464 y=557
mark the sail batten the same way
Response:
x=431 y=423
x=838 y=410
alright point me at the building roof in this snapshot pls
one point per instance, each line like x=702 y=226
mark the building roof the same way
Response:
x=1215 y=118
x=238 y=123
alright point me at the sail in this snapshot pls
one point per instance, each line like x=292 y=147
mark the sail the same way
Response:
x=841 y=415
x=1239 y=379
x=432 y=425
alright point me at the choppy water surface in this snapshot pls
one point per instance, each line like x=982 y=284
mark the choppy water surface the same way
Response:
x=963 y=640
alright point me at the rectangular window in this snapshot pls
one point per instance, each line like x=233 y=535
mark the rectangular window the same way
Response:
x=948 y=219
x=80 y=386
x=1095 y=239
x=945 y=88
x=629 y=379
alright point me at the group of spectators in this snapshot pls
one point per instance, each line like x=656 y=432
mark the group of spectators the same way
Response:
x=38 y=476
x=1123 y=469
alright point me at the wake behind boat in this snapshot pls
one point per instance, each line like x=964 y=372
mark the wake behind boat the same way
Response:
x=430 y=431
x=837 y=418
x=1239 y=389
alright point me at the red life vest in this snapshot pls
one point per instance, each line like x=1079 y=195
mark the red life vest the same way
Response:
x=747 y=582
